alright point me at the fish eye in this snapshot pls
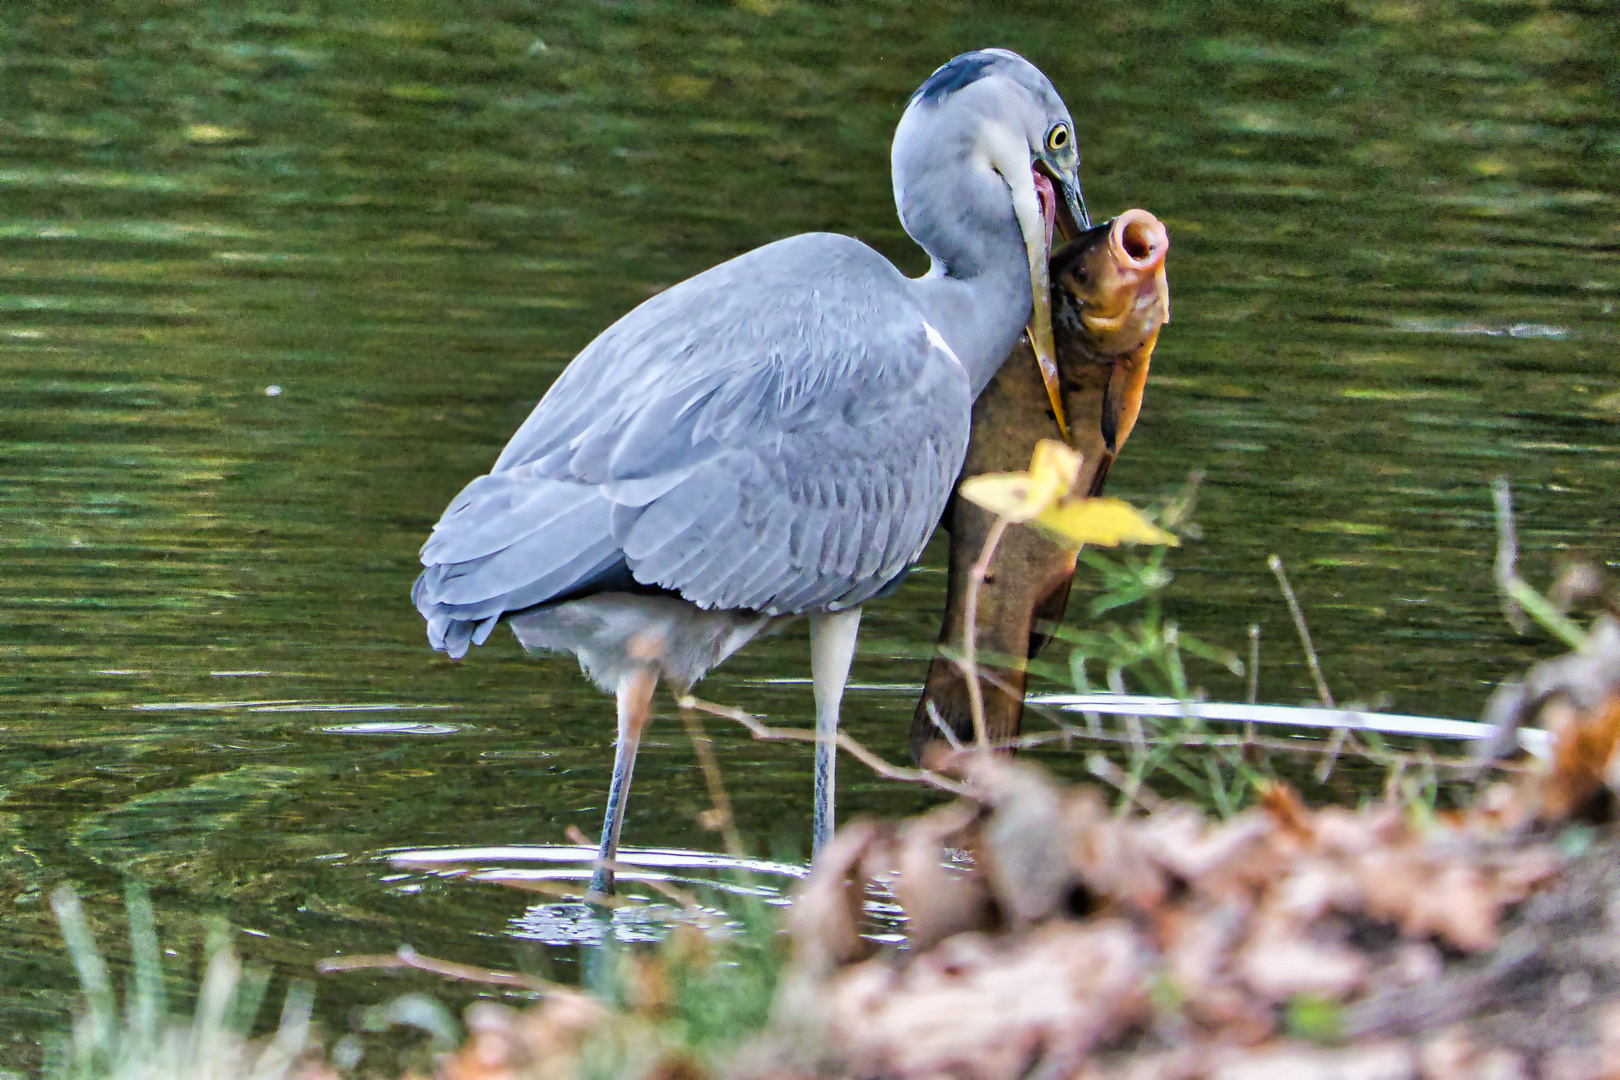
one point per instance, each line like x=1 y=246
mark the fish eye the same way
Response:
x=1058 y=137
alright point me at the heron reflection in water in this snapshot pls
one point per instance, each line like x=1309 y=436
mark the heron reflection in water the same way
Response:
x=774 y=437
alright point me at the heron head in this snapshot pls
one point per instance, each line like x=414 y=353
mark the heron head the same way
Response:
x=991 y=118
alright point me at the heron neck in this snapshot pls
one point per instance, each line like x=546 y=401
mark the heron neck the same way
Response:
x=979 y=316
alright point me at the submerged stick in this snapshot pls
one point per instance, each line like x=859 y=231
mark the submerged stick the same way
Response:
x=408 y=958
x=704 y=749
x=761 y=730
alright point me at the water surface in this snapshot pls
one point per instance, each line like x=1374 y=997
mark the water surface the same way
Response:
x=278 y=280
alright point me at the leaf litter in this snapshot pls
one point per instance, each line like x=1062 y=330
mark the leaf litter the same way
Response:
x=1049 y=934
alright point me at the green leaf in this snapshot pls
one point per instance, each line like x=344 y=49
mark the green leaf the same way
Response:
x=1314 y=1018
x=1213 y=653
x=1117 y=598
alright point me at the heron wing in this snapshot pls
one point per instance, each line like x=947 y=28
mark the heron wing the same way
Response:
x=777 y=433
x=823 y=518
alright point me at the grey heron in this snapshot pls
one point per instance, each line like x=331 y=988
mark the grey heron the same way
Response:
x=774 y=437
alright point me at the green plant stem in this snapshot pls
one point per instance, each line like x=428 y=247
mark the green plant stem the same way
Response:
x=1540 y=609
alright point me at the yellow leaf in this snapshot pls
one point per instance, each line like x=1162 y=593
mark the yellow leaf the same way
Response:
x=1053 y=469
x=1105 y=522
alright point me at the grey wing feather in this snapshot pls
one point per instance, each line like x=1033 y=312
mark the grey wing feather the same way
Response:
x=876 y=490
x=778 y=433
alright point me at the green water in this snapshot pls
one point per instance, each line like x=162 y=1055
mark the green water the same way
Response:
x=1395 y=272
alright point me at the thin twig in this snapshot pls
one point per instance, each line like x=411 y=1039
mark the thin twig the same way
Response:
x=1133 y=723
x=1325 y=769
x=1129 y=784
x=689 y=903
x=987 y=676
x=687 y=900
x=1297 y=746
x=716 y=784
x=942 y=727
x=970 y=634
x=1392 y=782
x=1304 y=631
x=761 y=730
x=407 y=957
x=577 y=836
x=542 y=886
x=1254 y=663
x=565 y=892
x=1254 y=674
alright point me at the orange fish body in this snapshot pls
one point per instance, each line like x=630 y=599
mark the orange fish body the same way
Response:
x=1110 y=296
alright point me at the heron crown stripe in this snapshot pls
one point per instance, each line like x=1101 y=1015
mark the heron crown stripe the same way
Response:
x=965 y=70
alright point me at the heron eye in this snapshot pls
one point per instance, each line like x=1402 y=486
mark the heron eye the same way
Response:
x=1058 y=137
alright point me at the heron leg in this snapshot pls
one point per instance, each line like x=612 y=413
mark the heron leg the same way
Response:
x=634 y=694
x=832 y=647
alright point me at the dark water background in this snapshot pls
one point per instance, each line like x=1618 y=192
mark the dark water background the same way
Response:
x=1395 y=271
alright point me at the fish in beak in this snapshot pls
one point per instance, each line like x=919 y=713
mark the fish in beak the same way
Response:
x=1110 y=297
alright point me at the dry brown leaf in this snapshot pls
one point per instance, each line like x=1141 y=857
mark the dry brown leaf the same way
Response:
x=1376 y=1061
x=541 y=1043
x=646 y=986
x=1339 y=831
x=1287 y=810
x=1021 y=846
x=1106 y=855
x=1576 y=699
x=1454 y=1054
x=825 y=920
x=1583 y=762
x=676 y=1066
x=1609 y=1039
x=938 y=901
x=1499 y=810
x=1453 y=901
x=1222 y=861
x=1412 y=963
x=1182 y=1063
x=1279 y=962
x=1315 y=887
x=1198 y=948
x=1521 y=871
x=972 y=1008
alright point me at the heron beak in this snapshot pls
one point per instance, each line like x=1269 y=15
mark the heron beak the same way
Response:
x=1072 y=219
x=1064 y=214
x=1040 y=327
